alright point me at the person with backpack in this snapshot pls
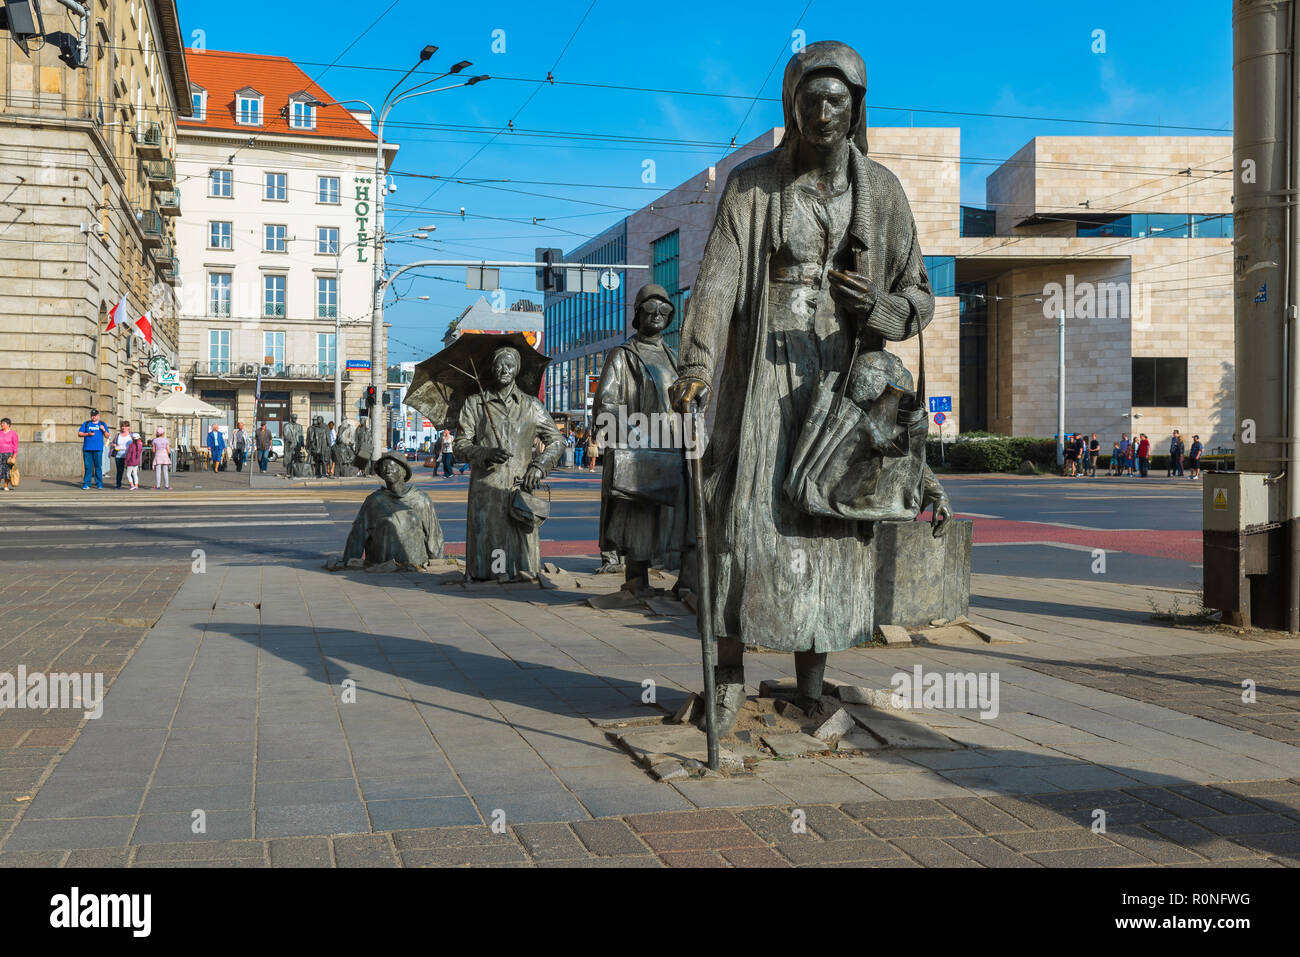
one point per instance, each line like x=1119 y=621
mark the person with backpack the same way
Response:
x=92 y=434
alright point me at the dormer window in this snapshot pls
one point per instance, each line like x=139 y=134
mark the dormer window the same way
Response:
x=302 y=112
x=200 y=98
x=248 y=107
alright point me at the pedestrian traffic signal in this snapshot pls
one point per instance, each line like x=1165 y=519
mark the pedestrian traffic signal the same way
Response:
x=370 y=396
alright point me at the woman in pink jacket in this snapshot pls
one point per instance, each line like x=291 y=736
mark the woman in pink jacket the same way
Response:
x=162 y=460
x=134 y=453
x=8 y=451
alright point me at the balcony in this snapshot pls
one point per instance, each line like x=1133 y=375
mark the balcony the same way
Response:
x=296 y=371
x=151 y=223
x=148 y=141
x=160 y=173
x=169 y=202
x=170 y=270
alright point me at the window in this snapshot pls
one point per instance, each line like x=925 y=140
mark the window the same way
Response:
x=664 y=260
x=273 y=295
x=219 y=235
x=218 y=294
x=277 y=186
x=943 y=274
x=326 y=353
x=327 y=297
x=1159 y=382
x=273 y=350
x=220 y=183
x=200 y=100
x=327 y=189
x=249 y=109
x=978 y=222
x=327 y=240
x=302 y=115
x=275 y=240
x=218 y=350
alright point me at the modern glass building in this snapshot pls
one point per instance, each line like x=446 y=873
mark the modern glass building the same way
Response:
x=581 y=327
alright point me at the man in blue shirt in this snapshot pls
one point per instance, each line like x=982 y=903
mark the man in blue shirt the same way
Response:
x=92 y=433
x=216 y=446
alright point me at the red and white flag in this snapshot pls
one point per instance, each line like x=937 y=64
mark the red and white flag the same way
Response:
x=117 y=315
x=144 y=328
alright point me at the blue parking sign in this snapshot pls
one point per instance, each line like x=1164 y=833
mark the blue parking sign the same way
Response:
x=940 y=403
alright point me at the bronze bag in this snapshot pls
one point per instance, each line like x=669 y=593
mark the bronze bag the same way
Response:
x=645 y=475
x=862 y=459
x=528 y=508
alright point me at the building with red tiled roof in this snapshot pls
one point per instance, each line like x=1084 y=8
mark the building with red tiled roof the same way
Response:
x=275 y=241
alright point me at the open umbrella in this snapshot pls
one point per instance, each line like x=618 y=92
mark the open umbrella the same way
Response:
x=443 y=382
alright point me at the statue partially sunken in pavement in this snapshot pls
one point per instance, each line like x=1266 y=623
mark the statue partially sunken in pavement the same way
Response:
x=643 y=513
x=495 y=434
x=291 y=432
x=362 y=461
x=396 y=523
x=811 y=266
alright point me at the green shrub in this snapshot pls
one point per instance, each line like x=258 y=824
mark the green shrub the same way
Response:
x=1001 y=453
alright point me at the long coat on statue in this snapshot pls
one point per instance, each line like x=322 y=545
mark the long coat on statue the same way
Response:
x=784 y=579
x=496 y=545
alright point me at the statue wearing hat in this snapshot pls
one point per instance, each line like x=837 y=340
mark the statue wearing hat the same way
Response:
x=396 y=523
x=495 y=434
x=643 y=513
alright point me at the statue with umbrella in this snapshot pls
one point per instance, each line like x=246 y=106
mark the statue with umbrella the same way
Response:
x=484 y=388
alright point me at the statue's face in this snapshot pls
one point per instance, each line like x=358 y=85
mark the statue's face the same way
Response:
x=505 y=366
x=389 y=472
x=654 y=318
x=823 y=107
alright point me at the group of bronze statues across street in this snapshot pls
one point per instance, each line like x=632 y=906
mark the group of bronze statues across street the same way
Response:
x=817 y=433
x=310 y=454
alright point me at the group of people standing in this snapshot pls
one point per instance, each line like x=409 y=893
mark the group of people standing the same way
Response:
x=127 y=448
x=1132 y=456
x=586 y=451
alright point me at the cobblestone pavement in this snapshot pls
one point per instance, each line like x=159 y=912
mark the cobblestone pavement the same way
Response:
x=1205 y=686
x=1249 y=824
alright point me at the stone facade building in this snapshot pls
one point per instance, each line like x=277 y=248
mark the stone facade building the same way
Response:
x=88 y=201
x=1130 y=236
x=275 y=241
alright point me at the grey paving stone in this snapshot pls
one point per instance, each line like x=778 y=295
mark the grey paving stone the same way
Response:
x=645 y=799
x=33 y=858
x=392 y=815
x=177 y=826
x=896 y=809
x=273 y=793
x=932 y=852
x=831 y=852
x=522 y=807
x=229 y=797
x=605 y=862
x=345 y=817
x=480 y=856
x=400 y=788
x=442 y=838
x=365 y=850
x=1108 y=856
x=831 y=823
x=71 y=833
x=300 y=852
x=201 y=774
x=1232 y=825
x=989 y=852
x=221 y=851
x=1160 y=850
x=609 y=838
x=301 y=770
x=775 y=825
x=1029 y=842
x=985 y=817
x=104 y=802
x=99 y=857
x=551 y=842
x=933 y=827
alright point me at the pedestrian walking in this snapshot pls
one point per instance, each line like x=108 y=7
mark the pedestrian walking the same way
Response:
x=239 y=446
x=8 y=451
x=162 y=460
x=121 y=442
x=1176 y=450
x=1144 y=454
x=1094 y=452
x=93 y=433
x=1194 y=458
x=334 y=437
x=216 y=446
x=263 y=440
x=134 y=455
x=1071 y=456
x=1116 y=463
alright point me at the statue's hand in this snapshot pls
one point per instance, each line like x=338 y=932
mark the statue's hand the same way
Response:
x=686 y=391
x=532 y=478
x=940 y=515
x=495 y=456
x=853 y=292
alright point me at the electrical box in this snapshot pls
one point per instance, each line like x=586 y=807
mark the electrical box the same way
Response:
x=1237 y=501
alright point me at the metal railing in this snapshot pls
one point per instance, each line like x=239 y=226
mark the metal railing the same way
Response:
x=161 y=173
x=229 y=369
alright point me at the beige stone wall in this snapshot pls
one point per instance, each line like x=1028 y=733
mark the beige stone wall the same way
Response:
x=75 y=245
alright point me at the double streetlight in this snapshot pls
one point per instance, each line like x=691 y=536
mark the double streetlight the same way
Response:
x=378 y=370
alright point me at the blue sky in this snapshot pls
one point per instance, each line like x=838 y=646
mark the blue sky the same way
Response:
x=1030 y=59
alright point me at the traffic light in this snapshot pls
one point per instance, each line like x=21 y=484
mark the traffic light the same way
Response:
x=549 y=278
x=370 y=396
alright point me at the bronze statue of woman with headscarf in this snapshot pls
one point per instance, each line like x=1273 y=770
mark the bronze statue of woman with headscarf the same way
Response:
x=813 y=251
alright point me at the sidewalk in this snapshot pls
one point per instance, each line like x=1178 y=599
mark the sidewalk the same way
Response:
x=482 y=704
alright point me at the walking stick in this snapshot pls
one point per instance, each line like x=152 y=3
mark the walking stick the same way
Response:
x=704 y=607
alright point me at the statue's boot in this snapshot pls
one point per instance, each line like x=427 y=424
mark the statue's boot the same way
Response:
x=809 y=670
x=729 y=692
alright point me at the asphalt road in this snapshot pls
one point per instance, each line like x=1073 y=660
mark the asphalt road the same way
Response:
x=1037 y=527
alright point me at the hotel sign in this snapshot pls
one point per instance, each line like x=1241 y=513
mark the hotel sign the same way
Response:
x=362 y=211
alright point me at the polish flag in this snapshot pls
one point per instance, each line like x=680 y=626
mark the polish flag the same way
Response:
x=144 y=328
x=117 y=315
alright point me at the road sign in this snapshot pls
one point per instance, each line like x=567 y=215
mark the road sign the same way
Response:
x=940 y=403
x=358 y=364
x=609 y=280
x=482 y=277
x=940 y=418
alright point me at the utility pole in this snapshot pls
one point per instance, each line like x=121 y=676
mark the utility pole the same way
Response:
x=1251 y=537
x=1060 y=389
